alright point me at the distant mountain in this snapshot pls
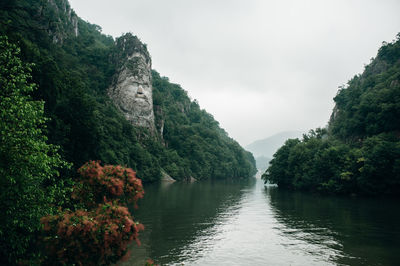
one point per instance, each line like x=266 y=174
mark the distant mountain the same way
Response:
x=262 y=163
x=268 y=146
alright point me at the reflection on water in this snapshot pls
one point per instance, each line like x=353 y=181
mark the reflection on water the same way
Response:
x=360 y=231
x=244 y=223
x=176 y=215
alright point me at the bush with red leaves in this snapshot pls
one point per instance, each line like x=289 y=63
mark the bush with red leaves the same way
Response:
x=100 y=235
x=111 y=181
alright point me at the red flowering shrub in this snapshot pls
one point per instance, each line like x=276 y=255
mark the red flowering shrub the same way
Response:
x=150 y=262
x=97 y=237
x=100 y=235
x=112 y=182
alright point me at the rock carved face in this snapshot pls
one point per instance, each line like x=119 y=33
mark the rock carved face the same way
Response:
x=139 y=93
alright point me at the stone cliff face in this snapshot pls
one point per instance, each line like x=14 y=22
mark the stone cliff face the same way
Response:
x=59 y=20
x=131 y=89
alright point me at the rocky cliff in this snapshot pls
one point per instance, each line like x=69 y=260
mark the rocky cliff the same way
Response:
x=58 y=19
x=55 y=18
x=131 y=89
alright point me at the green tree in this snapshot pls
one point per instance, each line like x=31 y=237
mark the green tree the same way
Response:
x=279 y=171
x=359 y=151
x=28 y=165
x=196 y=146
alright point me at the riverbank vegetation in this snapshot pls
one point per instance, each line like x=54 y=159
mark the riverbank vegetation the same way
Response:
x=97 y=228
x=359 y=151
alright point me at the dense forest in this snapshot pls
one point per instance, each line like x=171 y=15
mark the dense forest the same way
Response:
x=56 y=116
x=359 y=151
x=196 y=145
x=73 y=69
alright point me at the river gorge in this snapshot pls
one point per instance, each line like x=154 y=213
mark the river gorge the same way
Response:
x=247 y=223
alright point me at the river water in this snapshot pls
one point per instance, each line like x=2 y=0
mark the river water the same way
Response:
x=246 y=223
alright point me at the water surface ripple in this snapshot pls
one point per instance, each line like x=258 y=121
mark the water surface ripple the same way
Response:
x=246 y=223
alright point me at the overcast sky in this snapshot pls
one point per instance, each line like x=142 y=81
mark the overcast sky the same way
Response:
x=258 y=66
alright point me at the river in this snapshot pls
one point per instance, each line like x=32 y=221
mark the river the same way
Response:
x=246 y=223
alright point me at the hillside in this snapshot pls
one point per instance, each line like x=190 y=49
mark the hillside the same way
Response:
x=262 y=163
x=76 y=67
x=359 y=152
x=268 y=146
x=264 y=149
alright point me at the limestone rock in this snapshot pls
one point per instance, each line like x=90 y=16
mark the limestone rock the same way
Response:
x=166 y=177
x=131 y=89
x=58 y=19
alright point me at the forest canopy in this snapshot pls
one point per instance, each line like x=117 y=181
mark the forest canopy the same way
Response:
x=359 y=151
x=73 y=69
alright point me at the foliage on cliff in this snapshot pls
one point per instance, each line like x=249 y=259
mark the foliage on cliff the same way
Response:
x=370 y=104
x=72 y=78
x=73 y=69
x=195 y=144
x=360 y=150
